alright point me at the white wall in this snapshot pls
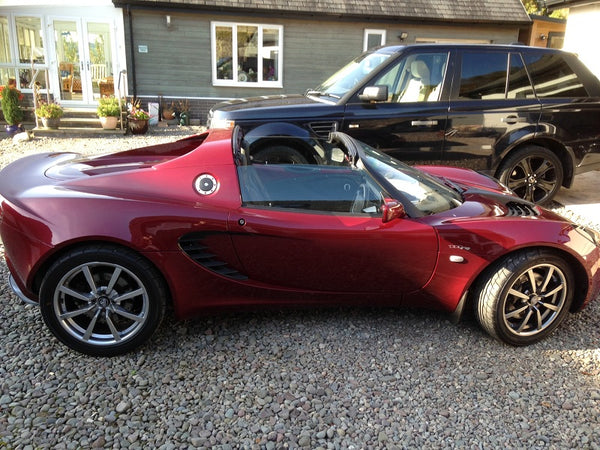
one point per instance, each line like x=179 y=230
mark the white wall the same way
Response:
x=581 y=35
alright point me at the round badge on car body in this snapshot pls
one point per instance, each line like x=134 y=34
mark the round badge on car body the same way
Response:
x=206 y=184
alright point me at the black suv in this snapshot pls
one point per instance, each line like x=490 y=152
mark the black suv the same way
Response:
x=528 y=116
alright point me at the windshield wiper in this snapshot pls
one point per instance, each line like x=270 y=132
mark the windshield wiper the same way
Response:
x=321 y=94
x=452 y=185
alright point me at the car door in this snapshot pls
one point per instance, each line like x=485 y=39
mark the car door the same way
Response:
x=410 y=125
x=297 y=229
x=492 y=105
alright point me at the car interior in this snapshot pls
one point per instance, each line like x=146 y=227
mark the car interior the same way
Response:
x=333 y=186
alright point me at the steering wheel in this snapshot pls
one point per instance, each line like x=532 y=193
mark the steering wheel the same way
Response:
x=360 y=199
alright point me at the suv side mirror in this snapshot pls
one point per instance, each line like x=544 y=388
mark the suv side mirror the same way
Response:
x=377 y=93
x=392 y=209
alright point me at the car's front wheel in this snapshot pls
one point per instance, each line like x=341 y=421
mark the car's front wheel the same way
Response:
x=524 y=297
x=102 y=300
x=533 y=173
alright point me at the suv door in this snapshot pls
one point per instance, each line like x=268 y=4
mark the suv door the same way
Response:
x=492 y=105
x=410 y=124
x=570 y=98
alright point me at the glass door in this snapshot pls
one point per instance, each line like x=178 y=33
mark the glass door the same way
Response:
x=84 y=57
x=99 y=60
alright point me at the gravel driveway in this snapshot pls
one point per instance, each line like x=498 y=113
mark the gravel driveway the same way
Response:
x=336 y=378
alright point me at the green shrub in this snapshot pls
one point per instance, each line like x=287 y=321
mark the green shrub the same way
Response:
x=108 y=107
x=49 y=111
x=10 y=105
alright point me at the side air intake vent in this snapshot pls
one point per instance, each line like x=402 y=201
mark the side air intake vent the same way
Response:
x=322 y=129
x=520 y=209
x=194 y=246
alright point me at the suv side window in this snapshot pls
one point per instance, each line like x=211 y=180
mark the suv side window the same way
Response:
x=519 y=85
x=415 y=78
x=483 y=75
x=552 y=76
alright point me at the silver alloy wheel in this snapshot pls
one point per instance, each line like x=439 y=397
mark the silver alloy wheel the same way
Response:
x=101 y=303
x=535 y=300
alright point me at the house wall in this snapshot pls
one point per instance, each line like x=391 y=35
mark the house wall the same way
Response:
x=544 y=32
x=582 y=25
x=178 y=59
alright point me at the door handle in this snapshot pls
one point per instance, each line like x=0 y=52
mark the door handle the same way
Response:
x=424 y=123
x=511 y=120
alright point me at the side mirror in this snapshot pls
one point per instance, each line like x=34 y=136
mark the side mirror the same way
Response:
x=377 y=93
x=392 y=209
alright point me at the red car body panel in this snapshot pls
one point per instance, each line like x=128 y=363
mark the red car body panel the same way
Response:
x=145 y=199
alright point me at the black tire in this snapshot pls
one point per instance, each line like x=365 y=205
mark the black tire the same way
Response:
x=278 y=154
x=533 y=173
x=102 y=300
x=510 y=309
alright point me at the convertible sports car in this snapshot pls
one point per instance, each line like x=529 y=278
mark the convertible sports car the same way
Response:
x=103 y=243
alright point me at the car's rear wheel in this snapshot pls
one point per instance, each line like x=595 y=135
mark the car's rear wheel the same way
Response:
x=278 y=154
x=525 y=297
x=533 y=173
x=102 y=300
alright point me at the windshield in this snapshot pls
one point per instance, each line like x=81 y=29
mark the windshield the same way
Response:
x=349 y=76
x=425 y=192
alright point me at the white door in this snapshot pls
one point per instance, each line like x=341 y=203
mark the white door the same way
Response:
x=84 y=60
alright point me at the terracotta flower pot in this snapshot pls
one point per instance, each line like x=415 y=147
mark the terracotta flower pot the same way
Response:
x=50 y=122
x=109 y=122
x=168 y=114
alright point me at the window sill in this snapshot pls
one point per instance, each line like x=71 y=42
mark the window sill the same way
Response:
x=264 y=84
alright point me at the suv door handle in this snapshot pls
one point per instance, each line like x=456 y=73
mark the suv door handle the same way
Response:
x=511 y=120
x=424 y=123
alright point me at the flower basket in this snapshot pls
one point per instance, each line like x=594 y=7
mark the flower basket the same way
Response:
x=50 y=113
x=137 y=120
x=137 y=126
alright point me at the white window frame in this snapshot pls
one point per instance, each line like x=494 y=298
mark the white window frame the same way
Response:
x=372 y=31
x=235 y=82
x=15 y=65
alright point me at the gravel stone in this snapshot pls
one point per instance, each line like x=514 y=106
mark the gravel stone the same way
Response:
x=312 y=378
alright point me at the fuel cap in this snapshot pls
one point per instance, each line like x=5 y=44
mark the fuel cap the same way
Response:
x=206 y=184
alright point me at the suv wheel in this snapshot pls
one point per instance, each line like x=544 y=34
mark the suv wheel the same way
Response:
x=533 y=173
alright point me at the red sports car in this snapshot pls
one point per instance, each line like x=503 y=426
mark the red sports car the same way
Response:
x=102 y=244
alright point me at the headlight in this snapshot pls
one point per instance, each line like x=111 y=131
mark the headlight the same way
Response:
x=225 y=124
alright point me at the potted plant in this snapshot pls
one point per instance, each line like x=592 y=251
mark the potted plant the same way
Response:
x=109 y=111
x=137 y=119
x=168 y=112
x=183 y=108
x=50 y=113
x=13 y=114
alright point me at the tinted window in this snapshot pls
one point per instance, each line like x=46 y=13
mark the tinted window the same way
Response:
x=483 y=75
x=552 y=76
x=519 y=85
